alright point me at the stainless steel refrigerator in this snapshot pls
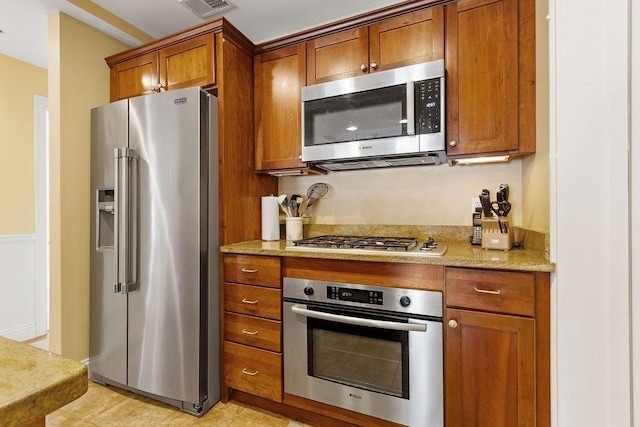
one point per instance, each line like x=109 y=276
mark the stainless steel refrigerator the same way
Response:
x=154 y=320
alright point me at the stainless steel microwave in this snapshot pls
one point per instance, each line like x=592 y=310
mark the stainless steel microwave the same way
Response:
x=389 y=118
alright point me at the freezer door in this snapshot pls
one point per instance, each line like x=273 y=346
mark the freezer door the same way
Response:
x=170 y=204
x=108 y=315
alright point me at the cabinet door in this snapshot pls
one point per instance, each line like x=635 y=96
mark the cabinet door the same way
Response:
x=187 y=64
x=134 y=77
x=337 y=56
x=482 y=76
x=489 y=370
x=407 y=39
x=279 y=76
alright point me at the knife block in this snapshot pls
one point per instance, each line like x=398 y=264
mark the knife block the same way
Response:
x=495 y=238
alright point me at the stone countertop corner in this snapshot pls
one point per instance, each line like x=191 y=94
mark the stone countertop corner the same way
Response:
x=35 y=382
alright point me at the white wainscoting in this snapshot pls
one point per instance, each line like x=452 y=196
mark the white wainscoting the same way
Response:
x=17 y=287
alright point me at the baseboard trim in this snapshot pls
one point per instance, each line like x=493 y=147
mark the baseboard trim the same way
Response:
x=20 y=333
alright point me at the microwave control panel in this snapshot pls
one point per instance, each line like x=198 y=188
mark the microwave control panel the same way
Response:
x=428 y=108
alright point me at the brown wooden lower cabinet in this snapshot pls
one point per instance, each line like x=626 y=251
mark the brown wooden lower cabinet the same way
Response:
x=252 y=370
x=496 y=348
x=496 y=342
x=489 y=370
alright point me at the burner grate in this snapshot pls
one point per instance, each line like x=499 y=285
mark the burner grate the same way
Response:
x=376 y=243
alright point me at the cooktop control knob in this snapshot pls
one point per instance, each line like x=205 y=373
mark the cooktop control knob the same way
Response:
x=405 y=301
x=308 y=290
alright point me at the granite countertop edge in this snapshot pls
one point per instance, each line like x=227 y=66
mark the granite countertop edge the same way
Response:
x=38 y=382
x=458 y=255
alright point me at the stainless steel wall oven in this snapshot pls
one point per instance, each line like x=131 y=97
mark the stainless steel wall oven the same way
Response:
x=369 y=349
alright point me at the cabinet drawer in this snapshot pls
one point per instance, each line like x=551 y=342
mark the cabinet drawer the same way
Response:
x=252 y=270
x=258 y=372
x=252 y=331
x=253 y=300
x=497 y=291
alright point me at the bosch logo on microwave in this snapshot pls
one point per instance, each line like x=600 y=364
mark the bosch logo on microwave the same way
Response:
x=366 y=147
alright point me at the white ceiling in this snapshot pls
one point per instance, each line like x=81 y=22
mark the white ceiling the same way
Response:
x=24 y=22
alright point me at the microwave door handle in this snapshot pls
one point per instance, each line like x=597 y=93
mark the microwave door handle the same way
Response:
x=411 y=117
x=380 y=324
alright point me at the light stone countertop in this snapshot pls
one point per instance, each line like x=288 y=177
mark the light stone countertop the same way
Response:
x=459 y=254
x=34 y=382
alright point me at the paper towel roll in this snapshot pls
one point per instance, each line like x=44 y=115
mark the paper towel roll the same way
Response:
x=270 y=218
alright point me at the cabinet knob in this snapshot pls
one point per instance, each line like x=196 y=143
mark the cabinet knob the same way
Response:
x=452 y=143
x=374 y=66
x=161 y=87
x=453 y=323
x=363 y=67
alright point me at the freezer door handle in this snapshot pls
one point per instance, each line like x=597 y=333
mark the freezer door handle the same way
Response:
x=128 y=158
x=117 y=286
x=122 y=245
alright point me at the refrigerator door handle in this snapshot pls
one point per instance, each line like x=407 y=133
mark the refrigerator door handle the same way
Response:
x=129 y=157
x=117 y=286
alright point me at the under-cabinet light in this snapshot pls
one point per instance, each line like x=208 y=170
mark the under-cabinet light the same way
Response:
x=481 y=160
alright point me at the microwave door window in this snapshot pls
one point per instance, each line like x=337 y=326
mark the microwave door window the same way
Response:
x=374 y=114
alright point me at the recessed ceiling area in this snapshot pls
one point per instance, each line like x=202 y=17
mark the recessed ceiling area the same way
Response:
x=25 y=21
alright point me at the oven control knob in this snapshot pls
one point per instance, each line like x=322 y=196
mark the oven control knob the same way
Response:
x=405 y=301
x=308 y=290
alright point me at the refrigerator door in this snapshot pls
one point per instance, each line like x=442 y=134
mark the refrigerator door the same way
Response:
x=167 y=308
x=108 y=315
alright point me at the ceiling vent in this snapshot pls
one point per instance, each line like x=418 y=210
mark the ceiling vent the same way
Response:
x=207 y=8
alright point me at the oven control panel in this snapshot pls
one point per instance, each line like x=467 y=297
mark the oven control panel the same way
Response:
x=369 y=297
x=355 y=295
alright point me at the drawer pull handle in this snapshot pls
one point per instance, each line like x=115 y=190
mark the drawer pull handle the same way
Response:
x=487 y=291
x=253 y=374
x=246 y=301
x=249 y=270
x=244 y=331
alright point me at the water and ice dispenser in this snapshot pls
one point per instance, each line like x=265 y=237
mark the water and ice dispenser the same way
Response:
x=105 y=209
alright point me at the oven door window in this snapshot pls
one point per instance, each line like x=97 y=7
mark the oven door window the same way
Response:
x=379 y=113
x=363 y=357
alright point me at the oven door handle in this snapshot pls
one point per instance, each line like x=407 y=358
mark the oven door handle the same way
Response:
x=380 y=324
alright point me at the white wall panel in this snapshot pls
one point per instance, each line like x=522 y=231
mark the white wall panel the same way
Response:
x=17 y=286
x=590 y=208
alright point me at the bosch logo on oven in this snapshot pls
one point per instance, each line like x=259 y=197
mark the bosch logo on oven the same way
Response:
x=355 y=396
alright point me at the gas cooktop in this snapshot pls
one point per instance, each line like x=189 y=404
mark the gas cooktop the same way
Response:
x=370 y=245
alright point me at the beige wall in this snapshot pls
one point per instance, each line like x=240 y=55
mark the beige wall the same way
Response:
x=421 y=195
x=78 y=81
x=19 y=81
x=535 y=169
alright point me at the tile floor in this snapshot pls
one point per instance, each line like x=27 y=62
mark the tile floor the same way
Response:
x=110 y=406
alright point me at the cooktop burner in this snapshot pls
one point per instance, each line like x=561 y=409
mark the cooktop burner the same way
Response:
x=366 y=244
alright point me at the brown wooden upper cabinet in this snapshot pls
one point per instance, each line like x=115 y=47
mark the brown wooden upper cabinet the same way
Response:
x=407 y=39
x=490 y=63
x=184 y=64
x=278 y=77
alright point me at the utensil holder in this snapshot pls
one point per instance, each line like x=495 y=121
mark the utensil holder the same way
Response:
x=497 y=233
x=293 y=228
